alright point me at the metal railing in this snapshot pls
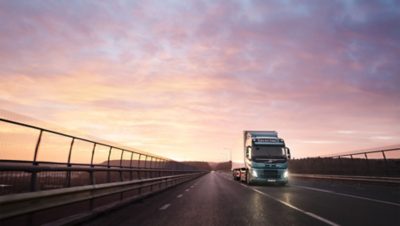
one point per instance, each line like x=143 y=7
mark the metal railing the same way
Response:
x=365 y=153
x=72 y=205
x=34 y=191
x=18 y=176
x=371 y=162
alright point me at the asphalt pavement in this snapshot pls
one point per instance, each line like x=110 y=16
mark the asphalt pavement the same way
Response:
x=216 y=199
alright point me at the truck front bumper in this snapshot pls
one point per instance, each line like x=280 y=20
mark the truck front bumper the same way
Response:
x=278 y=176
x=268 y=180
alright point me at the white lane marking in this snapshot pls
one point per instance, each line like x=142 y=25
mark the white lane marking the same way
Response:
x=165 y=206
x=291 y=206
x=192 y=186
x=298 y=209
x=187 y=190
x=347 y=195
x=179 y=196
x=295 y=208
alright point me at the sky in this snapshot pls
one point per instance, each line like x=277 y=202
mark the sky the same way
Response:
x=183 y=79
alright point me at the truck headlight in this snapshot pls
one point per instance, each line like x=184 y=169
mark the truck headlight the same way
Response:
x=285 y=174
x=254 y=173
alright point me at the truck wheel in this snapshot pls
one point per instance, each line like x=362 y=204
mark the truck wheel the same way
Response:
x=283 y=184
x=248 y=178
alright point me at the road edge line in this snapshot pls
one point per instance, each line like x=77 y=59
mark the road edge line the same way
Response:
x=347 y=195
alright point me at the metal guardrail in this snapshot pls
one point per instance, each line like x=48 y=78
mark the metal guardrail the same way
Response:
x=365 y=153
x=27 y=207
x=18 y=176
x=372 y=162
x=36 y=192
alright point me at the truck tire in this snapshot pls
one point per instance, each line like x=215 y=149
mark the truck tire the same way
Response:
x=283 y=184
x=248 y=178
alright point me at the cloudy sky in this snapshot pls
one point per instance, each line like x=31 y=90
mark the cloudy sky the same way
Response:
x=183 y=79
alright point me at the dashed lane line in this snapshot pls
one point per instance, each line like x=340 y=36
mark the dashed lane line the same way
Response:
x=315 y=216
x=164 y=207
x=179 y=196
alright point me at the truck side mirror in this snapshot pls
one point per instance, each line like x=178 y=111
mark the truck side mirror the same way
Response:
x=288 y=153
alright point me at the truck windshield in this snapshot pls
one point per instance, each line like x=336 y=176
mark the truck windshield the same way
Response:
x=268 y=151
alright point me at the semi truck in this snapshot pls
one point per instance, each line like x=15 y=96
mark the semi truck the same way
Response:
x=265 y=159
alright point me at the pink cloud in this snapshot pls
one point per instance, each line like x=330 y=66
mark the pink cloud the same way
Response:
x=146 y=73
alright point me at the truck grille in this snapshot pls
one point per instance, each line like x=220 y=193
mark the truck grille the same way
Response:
x=270 y=174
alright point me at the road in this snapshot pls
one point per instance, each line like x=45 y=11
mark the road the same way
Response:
x=215 y=199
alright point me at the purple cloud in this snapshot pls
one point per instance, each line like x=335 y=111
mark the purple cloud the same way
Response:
x=306 y=68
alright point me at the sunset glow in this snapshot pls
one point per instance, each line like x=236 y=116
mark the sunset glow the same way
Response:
x=183 y=79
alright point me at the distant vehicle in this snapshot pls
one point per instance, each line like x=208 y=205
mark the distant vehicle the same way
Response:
x=265 y=158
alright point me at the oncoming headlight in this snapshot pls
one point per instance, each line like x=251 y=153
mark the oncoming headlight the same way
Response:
x=254 y=173
x=285 y=174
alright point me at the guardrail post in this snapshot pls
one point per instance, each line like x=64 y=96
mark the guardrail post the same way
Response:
x=70 y=151
x=91 y=172
x=386 y=165
x=37 y=147
x=108 y=166
x=120 y=161
x=159 y=167
x=68 y=181
x=366 y=158
x=145 y=166
x=120 y=166
x=92 y=157
x=130 y=166
x=34 y=186
x=151 y=166
x=139 y=172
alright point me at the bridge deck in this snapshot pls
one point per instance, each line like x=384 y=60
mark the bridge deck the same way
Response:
x=215 y=199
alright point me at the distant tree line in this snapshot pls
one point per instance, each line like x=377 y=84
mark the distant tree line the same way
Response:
x=223 y=166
